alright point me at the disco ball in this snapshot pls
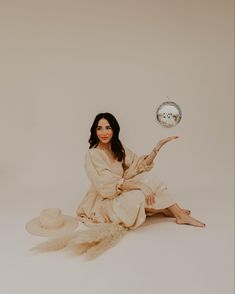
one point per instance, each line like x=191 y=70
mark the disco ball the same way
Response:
x=168 y=114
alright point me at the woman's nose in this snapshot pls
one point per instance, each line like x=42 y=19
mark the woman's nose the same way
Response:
x=104 y=132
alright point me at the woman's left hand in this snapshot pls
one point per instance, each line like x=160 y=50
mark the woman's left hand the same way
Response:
x=149 y=195
x=150 y=200
x=163 y=142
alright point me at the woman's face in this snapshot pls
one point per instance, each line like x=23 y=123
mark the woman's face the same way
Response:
x=104 y=131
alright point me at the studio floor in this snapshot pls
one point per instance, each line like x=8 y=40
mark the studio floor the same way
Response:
x=159 y=257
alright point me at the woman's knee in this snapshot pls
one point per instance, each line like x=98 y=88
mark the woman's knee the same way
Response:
x=137 y=196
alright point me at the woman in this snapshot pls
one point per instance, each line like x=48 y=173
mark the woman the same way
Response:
x=121 y=195
x=122 y=191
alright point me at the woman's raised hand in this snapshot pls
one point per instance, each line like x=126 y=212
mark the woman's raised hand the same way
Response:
x=163 y=142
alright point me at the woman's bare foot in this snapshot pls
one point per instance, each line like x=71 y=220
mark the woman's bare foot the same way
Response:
x=182 y=217
x=168 y=213
x=188 y=220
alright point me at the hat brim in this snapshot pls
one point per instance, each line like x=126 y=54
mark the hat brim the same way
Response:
x=33 y=227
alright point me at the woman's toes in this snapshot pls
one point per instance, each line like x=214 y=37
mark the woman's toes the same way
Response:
x=187 y=211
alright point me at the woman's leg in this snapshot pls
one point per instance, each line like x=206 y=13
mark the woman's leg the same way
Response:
x=182 y=217
x=164 y=204
x=168 y=213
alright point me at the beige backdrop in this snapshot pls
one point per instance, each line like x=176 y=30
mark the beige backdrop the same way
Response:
x=62 y=62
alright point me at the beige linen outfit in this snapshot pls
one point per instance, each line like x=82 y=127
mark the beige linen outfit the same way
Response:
x=105 y=202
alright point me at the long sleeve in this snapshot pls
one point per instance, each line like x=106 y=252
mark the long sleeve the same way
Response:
x=105 y=182
x=135 y=164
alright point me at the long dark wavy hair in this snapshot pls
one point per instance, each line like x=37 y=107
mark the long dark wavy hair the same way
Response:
x=116 y=145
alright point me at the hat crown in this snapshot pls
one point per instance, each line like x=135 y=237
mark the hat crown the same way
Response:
x=51 y=218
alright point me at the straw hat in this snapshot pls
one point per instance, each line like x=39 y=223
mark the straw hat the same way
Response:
x=51 y=222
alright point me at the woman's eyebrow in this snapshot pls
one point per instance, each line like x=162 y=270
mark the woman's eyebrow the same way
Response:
x=104 y=126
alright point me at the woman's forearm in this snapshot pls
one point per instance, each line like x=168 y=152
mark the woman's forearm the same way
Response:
x=150 y=158
x=131 y=185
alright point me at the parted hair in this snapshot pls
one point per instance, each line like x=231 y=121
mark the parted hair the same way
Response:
x=116 y=145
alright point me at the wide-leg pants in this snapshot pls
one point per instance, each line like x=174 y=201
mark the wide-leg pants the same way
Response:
x=131 y=209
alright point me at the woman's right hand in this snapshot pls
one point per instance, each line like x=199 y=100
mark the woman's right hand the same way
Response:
x=149 y=195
